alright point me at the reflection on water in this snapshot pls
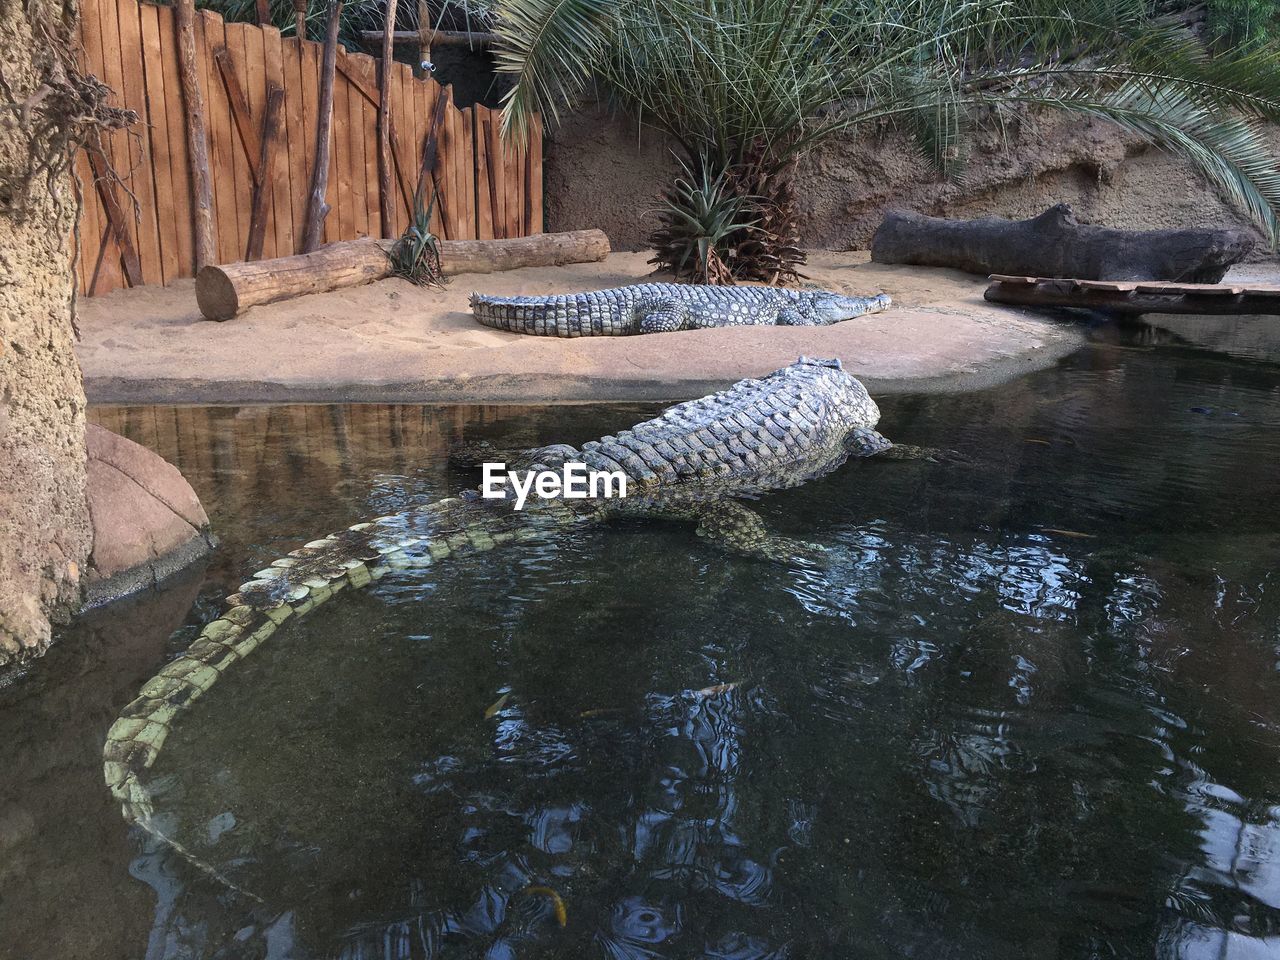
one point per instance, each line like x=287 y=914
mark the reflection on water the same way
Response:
x=1029 y=710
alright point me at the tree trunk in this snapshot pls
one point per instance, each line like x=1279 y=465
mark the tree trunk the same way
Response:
x=224 y=291
x=197 y=144
x=386 y=196
x=1055 y=244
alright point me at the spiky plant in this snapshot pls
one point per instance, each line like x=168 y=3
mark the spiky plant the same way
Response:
x=702 y=218
x=415 y=256
x=753 y=84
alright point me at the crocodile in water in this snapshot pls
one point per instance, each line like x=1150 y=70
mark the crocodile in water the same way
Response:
x=662 y=307
x=801 y=422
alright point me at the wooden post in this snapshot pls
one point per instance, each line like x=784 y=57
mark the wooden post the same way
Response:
x=264 y=12
x=262 y=174
x=240 y=111
x=385 y=196
x=197 y=143
x=117 y=225
x=300 y=18
x=317 y=209
x=424 y=33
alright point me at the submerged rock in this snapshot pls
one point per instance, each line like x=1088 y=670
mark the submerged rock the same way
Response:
x=147 y=521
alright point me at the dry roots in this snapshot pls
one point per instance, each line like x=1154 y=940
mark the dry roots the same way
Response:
x=63 y=112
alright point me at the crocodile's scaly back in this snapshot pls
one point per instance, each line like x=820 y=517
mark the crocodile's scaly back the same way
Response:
x=774 y=432
x=659 y=307
x=767 y=434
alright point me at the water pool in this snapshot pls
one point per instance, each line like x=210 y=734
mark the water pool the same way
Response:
x=1030 y=710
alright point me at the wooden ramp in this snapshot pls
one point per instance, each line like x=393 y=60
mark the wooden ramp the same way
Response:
x=1134 y=296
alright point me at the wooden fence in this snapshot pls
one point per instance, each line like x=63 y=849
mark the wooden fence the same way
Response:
x=140 y=230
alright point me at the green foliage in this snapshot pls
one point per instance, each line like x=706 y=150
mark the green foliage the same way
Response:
x=750 y=84
x=357 y=15
x=550 y=47
x=416 y=255
x=702 y=216
x=1243 y=22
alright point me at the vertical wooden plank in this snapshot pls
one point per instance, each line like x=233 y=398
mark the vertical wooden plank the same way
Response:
x=444 y=172
x=455 y=205
x=224 y=145
x=465 y=172
x=296 y=153
x=534 y=187
x=426 y=93
x=102 y=265
x=353 y=132
x=404 y=101
x=115 y=143
x=181 y=239
x=158 y=134
x=511 y=173
x=499 y=179
x=244 y=41
x=134 y=168
x=337 y=148
x=310 y=56
x=343 y=149
x=435 y=93
x=484 y=204
x=90 y=234
x=369 y=138
x=273 y=55
x=467 y=138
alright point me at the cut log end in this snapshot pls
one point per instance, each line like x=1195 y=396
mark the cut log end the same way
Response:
x=216 y=294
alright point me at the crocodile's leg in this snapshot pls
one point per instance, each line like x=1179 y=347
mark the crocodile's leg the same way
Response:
x=909 y=451
x=865 y=442
x=791 y=317
x=661 y=315
x=736 y=527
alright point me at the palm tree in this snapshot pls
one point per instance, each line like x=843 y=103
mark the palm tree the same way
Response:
x=745 y=86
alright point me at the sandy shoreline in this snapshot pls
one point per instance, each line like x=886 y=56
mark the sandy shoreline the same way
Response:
x=393 y=342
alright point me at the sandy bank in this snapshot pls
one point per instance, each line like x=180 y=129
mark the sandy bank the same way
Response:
x=391 y=341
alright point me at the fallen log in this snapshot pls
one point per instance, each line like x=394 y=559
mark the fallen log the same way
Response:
x=1055 y=244
x=226 y=290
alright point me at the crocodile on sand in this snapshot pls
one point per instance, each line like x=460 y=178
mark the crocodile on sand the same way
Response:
x=662 y=307
x=691 y=462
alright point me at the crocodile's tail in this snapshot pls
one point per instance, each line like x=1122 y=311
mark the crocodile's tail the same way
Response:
x=565 y=315
x=291 y=587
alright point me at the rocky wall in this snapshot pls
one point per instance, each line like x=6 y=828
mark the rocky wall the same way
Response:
x=44 y=521
x=602 y=171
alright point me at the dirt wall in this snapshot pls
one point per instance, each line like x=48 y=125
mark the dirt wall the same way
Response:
x=44 y=521
x=602 y=172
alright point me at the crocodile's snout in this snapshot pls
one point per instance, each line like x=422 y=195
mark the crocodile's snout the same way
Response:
x=833 y=307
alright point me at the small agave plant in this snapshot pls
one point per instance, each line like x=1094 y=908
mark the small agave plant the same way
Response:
x=701 y=219
x=416 y=255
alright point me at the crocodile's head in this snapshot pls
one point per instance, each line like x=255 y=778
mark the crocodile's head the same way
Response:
x=833 y=307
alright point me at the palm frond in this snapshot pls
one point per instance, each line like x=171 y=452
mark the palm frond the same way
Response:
x=551 y=48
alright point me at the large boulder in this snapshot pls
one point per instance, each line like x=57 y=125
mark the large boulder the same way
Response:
x=147 y=521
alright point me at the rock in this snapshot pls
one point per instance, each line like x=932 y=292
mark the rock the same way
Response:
x=147 y=521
